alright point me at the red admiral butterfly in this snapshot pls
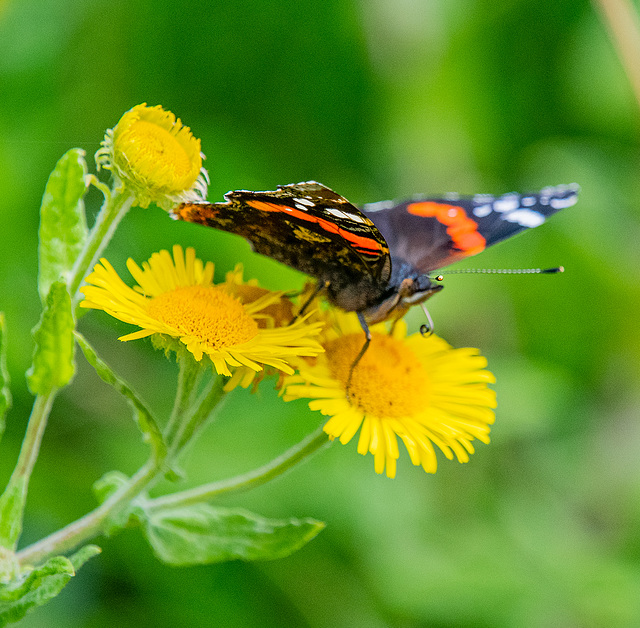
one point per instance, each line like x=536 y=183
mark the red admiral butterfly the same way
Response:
x=375 y=260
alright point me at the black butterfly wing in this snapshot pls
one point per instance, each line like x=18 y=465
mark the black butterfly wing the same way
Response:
x=431 y=233
x=306 y=226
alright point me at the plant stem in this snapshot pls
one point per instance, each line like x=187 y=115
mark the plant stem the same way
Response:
x=191 y=423
x=246 y=481
x=92 y=523
x=33 y=437
x=114 y=208
x=187 y=382
x=14 y=497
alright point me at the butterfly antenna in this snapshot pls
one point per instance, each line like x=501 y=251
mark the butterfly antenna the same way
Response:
x=502 y=271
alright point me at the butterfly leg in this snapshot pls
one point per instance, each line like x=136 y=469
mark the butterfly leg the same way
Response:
x=365 y=346
x=320 y=286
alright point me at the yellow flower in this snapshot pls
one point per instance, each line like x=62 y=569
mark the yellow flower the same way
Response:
x=155 y=156
x=176 y=299
x=417 y=388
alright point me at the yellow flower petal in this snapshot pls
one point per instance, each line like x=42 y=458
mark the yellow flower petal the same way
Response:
x=418 y=389
x=176 y=299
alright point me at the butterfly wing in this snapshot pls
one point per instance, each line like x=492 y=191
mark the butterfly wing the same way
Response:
x=306 y=226
x=431 y=233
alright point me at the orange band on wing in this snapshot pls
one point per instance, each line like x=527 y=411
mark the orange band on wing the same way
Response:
x=463 y=230
x=367 y=245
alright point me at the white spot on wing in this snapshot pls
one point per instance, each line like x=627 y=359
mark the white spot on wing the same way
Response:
x=336 y=212
x=482 y=210
x=507 y=203
x=525 y=217
x=301 y=207
x=304 y=201
x=528 y=201
x=561 y=203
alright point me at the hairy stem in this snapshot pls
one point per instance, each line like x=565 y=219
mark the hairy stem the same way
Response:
x=113 y=210
x=187 y=383
x=91 y=524
x=309 y=445
x=189 y=425
x=14 y=498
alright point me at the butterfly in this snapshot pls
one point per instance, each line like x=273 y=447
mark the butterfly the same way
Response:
x=376 y=260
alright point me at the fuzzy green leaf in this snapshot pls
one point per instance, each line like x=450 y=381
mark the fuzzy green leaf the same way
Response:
x=53 y=364
x=36 y=587
x=63 y=223
x=83 y=555
x=201 y=534
x=5 y=393
x=142 y=415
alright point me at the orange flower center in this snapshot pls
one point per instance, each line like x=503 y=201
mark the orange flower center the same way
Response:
x=389 y=380
x=204 y=312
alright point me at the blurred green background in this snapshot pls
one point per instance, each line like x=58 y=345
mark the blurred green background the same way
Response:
x=377 y=99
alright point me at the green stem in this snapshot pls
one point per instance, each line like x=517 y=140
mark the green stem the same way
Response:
x=114 y=208
x=191 y=424
x=91 y=524
x=12 y=501
x=33 y=437
x=94 y=522
x=309 y=445
x=187 y=382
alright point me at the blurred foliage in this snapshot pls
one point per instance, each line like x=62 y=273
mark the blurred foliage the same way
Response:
x=376 y=99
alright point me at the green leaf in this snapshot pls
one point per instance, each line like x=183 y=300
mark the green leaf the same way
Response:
x=142 y=415
x=11 y=511
x=83 y=555
x=63 y=224
x=201 y=534
x=53 y=364
x=5 y=393
x=36 y=587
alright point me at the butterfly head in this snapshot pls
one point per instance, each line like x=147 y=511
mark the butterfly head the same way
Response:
x=410 y=291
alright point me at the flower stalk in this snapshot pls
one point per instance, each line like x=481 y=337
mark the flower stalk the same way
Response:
x=192 y=422
x=115 y=207
x=92 y=523
x=13 y=499
x=246 y=481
